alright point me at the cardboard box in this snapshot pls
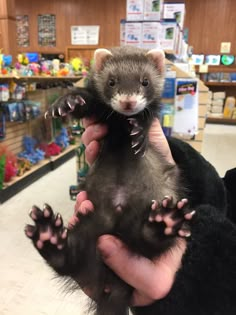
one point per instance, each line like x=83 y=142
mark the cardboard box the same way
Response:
x=217 y=109
x=218 y=95
x=168 y=35
x=153 y=10
x=174 y=11
x=131 y=33
x=150 y=35
x=134 y=10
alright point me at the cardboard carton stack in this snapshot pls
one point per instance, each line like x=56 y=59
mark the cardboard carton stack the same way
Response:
x=154 y=24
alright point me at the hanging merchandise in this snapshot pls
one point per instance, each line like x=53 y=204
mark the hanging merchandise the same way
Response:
x=15 y=112
x=2 y=124
x=4 y=92
x=32 y=109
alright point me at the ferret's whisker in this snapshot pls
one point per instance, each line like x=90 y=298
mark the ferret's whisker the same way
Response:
x=109 y=115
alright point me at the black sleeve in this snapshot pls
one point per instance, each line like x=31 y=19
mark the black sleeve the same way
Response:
x=206 y=282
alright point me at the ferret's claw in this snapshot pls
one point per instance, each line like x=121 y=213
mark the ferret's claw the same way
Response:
x=64 y=105
x=175 y=216
x=48 y=229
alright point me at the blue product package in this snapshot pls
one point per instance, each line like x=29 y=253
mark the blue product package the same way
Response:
x=32 y=56
x=169 y=88
x=167 y=118
x=233 y=76
x=7 y=60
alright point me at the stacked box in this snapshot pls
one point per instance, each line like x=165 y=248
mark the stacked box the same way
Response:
x=168 y=36
x=174 y=11
x=215 y=105
x=134 y=10
x=153 y=10
x=131 y=33
x=150 y=35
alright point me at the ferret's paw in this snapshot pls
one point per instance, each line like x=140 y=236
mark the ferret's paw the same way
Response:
x=48 y=231
x=138 y=138
x=64 y=105
x=175 y=216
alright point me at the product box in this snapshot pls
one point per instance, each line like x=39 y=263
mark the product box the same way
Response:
x=217 y=109
x=134 y=10
x=122 y=32
x=174 y=11
x=168 y=35
x=150 y=35
x=153 y=10
x=131 y=33
x=218 y=95
x=186 y=107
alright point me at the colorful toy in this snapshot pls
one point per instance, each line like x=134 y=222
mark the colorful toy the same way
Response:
x=10 y=167
x=62 y=139
x=50 y=149
x=31 y=153
x=23 y=165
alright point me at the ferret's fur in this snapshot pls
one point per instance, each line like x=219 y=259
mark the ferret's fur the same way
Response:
x=124 y=91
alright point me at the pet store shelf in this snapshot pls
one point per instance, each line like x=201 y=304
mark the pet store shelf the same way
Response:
x=211 y=83
x=222 y=121
x=37 y=171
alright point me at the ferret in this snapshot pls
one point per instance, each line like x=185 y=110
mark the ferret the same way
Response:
x=129 y=183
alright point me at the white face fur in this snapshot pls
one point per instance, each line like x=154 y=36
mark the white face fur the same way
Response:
x=128 y=104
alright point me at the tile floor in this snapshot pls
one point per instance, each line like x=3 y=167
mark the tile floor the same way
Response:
x=27 y=286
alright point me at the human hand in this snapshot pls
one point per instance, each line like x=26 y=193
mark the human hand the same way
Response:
x=95 y=132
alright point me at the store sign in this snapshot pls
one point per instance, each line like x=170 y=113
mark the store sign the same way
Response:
x=84 y=35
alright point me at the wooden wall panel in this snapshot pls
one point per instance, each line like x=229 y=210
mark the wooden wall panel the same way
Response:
x=211 y=22
x=105 y=13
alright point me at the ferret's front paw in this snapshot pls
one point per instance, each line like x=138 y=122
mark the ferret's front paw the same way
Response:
x=48 y=234
x=64 y=105
x=175 y=216
x=138 y=137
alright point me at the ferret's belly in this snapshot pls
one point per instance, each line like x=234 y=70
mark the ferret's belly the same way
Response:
x=124 y=182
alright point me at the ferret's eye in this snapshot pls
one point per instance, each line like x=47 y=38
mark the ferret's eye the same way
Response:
x=111 y=82
x=145 y=82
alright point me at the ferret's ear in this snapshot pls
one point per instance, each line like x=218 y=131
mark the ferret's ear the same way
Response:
x=158 y=56
x=100 y=56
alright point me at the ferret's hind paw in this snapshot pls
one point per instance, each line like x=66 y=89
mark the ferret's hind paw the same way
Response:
x=48 y=230
x=175 y=216
x=64 y=105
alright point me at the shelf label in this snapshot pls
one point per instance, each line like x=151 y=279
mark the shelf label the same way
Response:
x=203 y=68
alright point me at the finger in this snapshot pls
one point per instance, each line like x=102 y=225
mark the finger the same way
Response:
x=157 y=137
x=91 y=152
x=139 y=272
x=88 y=121
x=82 y=195
x=86 y=207
x=94 y=132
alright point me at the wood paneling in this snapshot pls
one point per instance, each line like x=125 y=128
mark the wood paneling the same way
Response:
x=211 y=22
x=105 y=13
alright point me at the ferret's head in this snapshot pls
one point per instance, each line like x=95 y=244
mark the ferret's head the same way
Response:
x=129 y=79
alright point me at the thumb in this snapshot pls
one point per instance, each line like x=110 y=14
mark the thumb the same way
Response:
x=135 y=270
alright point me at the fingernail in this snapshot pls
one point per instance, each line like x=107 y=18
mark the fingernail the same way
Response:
x=108 y=246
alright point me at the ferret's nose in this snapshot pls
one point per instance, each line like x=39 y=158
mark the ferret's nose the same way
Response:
x=128 y=105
